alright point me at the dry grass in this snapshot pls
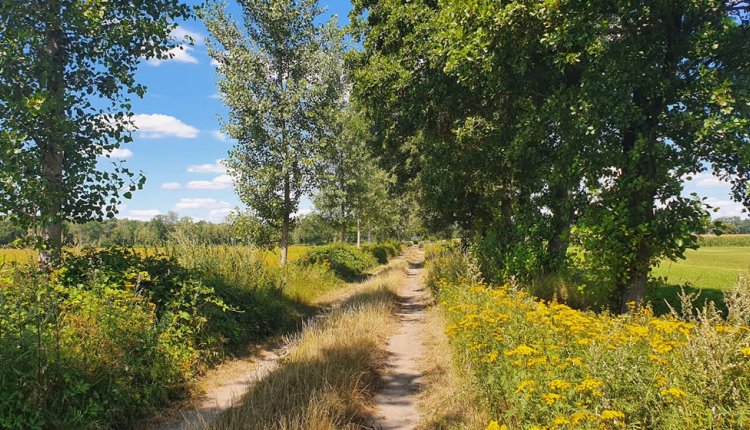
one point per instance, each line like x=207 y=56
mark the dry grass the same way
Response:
x=448 y=400
x=328 y=377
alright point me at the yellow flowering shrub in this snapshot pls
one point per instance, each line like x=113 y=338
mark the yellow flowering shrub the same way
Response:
x=544 y=365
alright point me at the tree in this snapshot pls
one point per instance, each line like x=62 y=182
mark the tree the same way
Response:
x=520 y=119
x=66 y=71
x=354 y=190
x=665 y=90
x=277 y=82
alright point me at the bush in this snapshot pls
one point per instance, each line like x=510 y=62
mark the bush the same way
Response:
x=544 y=365
x=114 y=333
x=89 y=355
x=383 y=251
x=346 y=261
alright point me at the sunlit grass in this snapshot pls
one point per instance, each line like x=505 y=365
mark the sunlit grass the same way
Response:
x=714 y=267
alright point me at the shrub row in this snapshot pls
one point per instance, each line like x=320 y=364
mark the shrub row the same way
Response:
x=543 y=365
x=346 y=261
x=383 y=251
x=113 y=334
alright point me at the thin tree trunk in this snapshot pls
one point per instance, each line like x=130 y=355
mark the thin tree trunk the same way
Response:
x=359 y=243
x=285 y=222
x=52 y=151
x=343 y=223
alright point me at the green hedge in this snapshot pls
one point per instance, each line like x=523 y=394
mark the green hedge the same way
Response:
x=346 y=261
x=383 y=251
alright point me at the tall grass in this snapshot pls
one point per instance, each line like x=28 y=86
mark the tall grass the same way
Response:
x=539 y=364
x=326 y=379
x=115 y=333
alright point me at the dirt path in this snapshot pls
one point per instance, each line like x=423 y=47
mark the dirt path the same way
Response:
x=228 y=382
x=397 y=399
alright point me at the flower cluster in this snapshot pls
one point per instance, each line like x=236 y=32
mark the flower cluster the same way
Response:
x=542 y=365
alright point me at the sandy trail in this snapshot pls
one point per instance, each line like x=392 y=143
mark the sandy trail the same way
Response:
x=224 y=385
x=396 y=401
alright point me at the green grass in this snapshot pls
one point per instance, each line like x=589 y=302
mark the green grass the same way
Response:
x=715 y=267
x=708 y=271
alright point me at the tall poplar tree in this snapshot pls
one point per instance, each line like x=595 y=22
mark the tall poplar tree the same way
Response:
x=66 y=74
x=275 y=77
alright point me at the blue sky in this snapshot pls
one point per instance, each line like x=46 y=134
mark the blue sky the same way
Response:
x=178 y=142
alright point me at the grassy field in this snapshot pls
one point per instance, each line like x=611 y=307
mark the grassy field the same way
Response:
x=715 y=267
x=8 y=255
x=706 y=272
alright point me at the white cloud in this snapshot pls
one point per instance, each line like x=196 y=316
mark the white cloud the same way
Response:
x=219 y=135
x=155 y=126
x=302 y=212
x=121 y=153
x=141 y=214
x=726 y=207
x=217 y=183
x=180 y=34
x=215 y=62
x=217 y=167
x=202 y=204
x=705 y=179
x=179 y=54
x=219 y=215
x=215 y=96
x=171 y=186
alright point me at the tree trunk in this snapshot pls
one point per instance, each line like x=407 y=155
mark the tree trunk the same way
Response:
x=557 y=244
x=639 y=176
x=285 y=222
x=52 y=148
x=343 y=223
x=359 y=243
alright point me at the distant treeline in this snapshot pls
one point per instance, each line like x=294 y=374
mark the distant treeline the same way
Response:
x=735 y=225
x=162 y=229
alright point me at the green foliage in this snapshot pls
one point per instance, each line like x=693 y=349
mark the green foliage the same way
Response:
x=313 y=229
x=279 y=77
x=88 y=353
x=67 y=70
x=383 y=252
x=521 y=119
x=352 y=184
x=114 y=333
x=346 y=261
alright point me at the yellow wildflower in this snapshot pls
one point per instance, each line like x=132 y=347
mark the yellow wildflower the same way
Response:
x=609 y=415
x=559 y=385
x=577 y=418
x=745 y=352
x=522 y=350
x=491 y=357
x=675 y=393
x=589 y=384
x=559 y=421
x=551 y=398
x=527 y=385
x=494 y=425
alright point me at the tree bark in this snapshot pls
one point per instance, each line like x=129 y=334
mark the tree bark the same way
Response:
x=359 y=242
x=343 y=223
x=557 y=244
x=52 y=147
x=285 y=222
